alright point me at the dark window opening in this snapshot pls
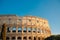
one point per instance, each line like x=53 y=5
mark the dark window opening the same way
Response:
x=19 y=29
x=29 y=20
x=38 y=30
x=19 y=37
x=7 y=38
x=38 y=38
x=29 y=37
x=25 y=38
x=34 y=38
x=14 y=29
x=13 y=38
x=29 y=29
x=34 y=29
x=25 y=29
x=8 y=29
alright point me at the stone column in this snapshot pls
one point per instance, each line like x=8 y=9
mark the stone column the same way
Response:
x=10 y=38
x=22 y=37
x=4 y=32
x=16 y=37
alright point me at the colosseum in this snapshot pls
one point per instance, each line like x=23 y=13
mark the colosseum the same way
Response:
x=25 y=27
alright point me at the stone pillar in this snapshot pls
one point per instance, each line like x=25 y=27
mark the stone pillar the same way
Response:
x=27 y=37
x=40 y=38
x=4 y=32
x=22 y=37
x=17 y=30
x=16 y=37
x=32 y=38
x=36 y=37
x=11 y=29
x=10 y=38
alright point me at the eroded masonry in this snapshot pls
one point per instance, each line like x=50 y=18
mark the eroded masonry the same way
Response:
x=25 y=28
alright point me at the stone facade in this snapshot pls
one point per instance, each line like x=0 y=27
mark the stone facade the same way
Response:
x=25 y=28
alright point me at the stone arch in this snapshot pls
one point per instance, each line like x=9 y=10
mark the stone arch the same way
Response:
x=38 y=38
x=13 y=38
x=7 y=38
x=34 y=38
x=19 y=38
x=25 y=38
x=30 y=38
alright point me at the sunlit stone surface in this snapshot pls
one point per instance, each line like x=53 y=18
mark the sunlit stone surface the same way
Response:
x=25 y=28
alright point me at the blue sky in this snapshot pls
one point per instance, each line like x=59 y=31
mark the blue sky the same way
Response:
x=48 y=9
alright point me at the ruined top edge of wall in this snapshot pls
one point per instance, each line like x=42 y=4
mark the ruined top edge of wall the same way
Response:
x=7 y=15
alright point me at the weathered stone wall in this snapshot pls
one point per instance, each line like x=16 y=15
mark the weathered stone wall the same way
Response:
x=39 y=25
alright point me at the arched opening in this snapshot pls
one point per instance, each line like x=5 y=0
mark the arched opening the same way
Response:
x=8 y=29
x=19 y=38
x=24 y=29
x=25 y=38
x=7 y=38
x=34 y=38
x=30 y=38
x=13 y=38
x=29 y=29
x=34 y=30
x=38 y=38
x=42 y=38
x=19 y=29
x=39 y=30
x=14 y=29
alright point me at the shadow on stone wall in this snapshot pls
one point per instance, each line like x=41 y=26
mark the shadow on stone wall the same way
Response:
x=53 y=37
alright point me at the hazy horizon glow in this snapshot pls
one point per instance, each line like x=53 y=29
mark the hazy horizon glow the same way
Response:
x=48 y=9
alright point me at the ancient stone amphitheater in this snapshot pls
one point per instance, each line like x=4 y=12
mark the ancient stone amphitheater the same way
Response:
x=25 y=28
